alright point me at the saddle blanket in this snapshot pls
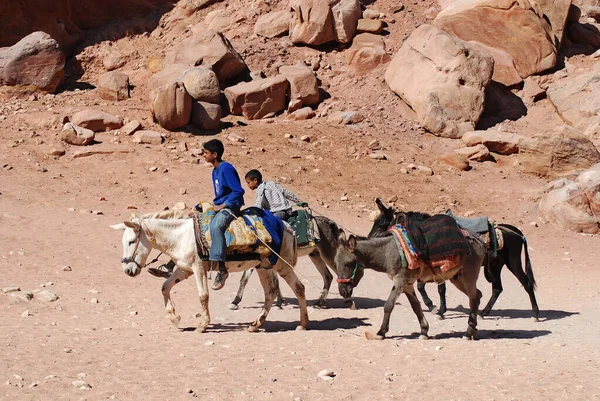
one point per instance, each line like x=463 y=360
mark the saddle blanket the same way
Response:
x=247 y=233
x=436 y=238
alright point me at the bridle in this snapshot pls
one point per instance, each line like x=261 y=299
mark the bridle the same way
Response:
x=131 y=259
x=351 y=279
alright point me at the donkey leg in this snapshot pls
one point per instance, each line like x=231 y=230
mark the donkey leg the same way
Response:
x=409 y=290
x=495 y=268
x=240 y=293
x=399 y=283
x=288 y=274
x=177 y=276
x=516 y=267
x=467 y=284
x=442 y=293
x=426 y=300
x=200 y=270
x=266 y=280
x=321 y=266
x=278 y=296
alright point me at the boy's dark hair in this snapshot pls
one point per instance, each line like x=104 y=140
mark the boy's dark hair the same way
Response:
x=254 y=175
x=215 y=146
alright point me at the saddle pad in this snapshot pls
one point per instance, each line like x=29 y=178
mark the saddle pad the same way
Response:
x=240 y=235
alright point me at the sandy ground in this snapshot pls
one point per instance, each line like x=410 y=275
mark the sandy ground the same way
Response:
x=126 y=348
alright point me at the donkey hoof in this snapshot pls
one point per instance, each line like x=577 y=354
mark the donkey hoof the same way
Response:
x=253 y=329
x=353 y=306
x=535 y=319
x=233 y=307
x=176 y=320
x=300 y=328
x=201 y=328
x=371 y=336
x=439 y=317
x=423 y=337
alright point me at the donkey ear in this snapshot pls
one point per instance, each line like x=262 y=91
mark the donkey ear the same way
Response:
x=351 y=243
x=132 y=225
x=341 y=238
x=120 y=226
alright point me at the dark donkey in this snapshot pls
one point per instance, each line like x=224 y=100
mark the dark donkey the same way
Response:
x=509 y=255
x=384 y=255
x=322 y=256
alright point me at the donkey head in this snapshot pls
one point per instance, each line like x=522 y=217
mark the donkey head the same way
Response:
x=348 y=268
x=136 y=246
x=383 y=221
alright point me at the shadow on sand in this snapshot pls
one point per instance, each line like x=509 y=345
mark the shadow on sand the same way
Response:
x=496 y=314
x=271 y=326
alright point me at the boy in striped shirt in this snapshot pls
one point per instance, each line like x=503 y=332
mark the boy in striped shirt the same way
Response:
x=271 y=196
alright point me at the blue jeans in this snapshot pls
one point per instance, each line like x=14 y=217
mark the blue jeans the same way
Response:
x=218 y=226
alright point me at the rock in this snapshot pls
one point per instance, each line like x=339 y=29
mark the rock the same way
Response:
x=366 y=53
x=293 y=105
x=208 y=49
x=517 y=30
x=577 y=99
x=235 y=138
x=26 y=314
x=303 y=83
x=171 y=105
x=75 y=135
x=256 y=99
x=574 y=204
x=315 y=22
x=556 y=13
x=371 y=14
x=113 y=86
x=170 y=74
x=345 y=117
x=202 y=84
x=179 y=206
x=552 y=154
x=369 y=26
x=420 y=170
x=131 y=127
x=102 y=149
x=273 y=24
x=81 y=384
x=35 y=61
x=56 y=150
x=377 y=156
x=94 y=301
x=148 y=137
x=532 y=91
x=114 y=61
x=46 y=295
x=206 y=116
x=449 y=96
x=457 y=161
x=504 y=143
x=478 y=153
x=585 y=34
x=326 y=374
x=8 y=290
x=96 y=120
x=304 y=113
x=66 y=268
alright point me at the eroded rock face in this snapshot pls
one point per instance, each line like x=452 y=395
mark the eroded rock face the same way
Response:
x=113 y=85
x=516 y=29
x=574 y=204
x=202 y=84
x=303 y=83
x=273 y=24
x=366 y=53
x=206 y=116
x=315 y=22
x=442 y=78
x=36 y=60
x=96 y=120
x=256 y=99
x=553 y=154
x=577 y=100
x=64 y=19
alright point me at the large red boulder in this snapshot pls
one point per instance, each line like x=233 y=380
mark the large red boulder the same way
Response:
x=35 y=60
x=256 y=99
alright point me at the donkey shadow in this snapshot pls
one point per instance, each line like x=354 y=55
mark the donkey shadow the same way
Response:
x=496 y=314
x=361 y=303
x=273 y=326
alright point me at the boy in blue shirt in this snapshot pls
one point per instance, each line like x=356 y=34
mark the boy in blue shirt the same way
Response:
x=229 y=198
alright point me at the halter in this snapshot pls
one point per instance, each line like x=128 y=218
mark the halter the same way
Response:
x=351 y=279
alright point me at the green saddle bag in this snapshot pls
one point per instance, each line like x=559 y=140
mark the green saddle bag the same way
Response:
x=302 y=224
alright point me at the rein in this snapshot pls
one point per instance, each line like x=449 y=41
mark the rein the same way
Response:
x=131 y=259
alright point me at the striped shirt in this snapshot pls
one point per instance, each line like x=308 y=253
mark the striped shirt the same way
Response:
x=273 y=197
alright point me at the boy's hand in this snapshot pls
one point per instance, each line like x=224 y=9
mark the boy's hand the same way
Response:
x=219 y=207
x=302 y=204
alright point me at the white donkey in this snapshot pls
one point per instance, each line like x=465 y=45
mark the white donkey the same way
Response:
x=172 y=234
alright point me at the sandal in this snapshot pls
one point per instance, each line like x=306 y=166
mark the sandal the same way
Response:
x=219 y=280
x=161 y=271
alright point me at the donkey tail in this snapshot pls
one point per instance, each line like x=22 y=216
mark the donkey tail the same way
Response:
x=528 y=268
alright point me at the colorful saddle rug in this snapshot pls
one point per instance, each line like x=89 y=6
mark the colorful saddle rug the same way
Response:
x=251 y=232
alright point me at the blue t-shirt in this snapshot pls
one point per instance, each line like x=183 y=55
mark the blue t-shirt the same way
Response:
x=227 y=186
